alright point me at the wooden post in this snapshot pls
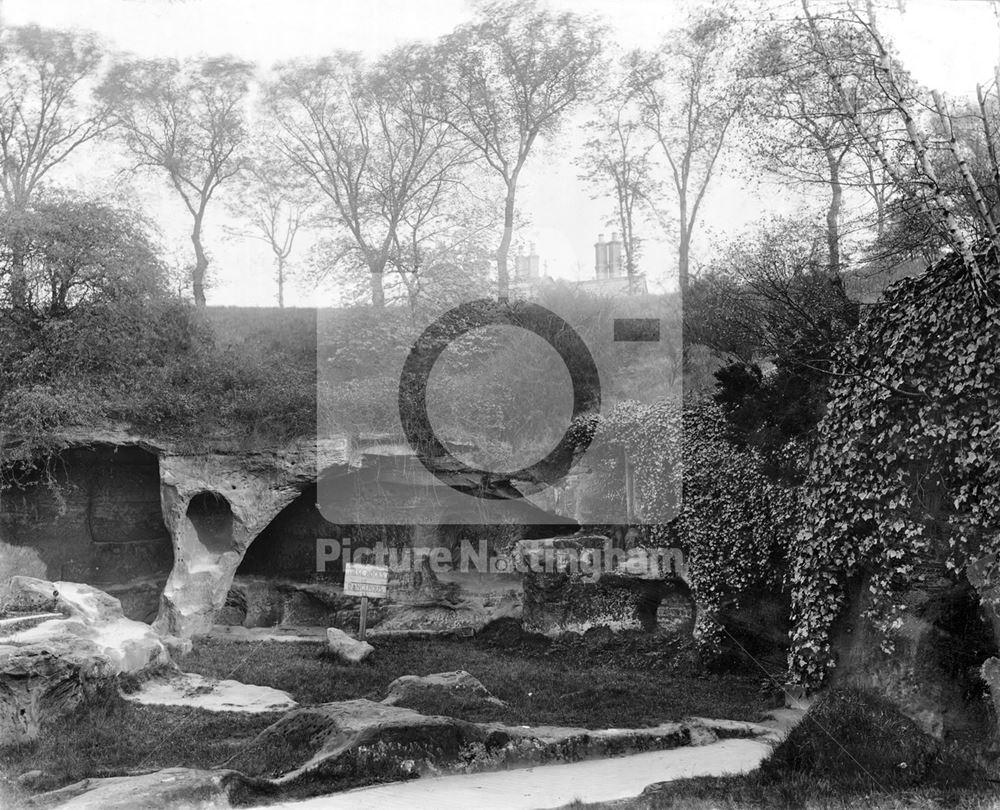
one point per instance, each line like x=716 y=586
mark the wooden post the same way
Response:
x=629 y=489
x=363 y=619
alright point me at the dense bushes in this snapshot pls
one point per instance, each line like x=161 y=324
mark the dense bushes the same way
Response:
x=148 y=366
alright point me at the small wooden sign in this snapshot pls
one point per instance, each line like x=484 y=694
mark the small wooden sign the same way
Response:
x=366 y=580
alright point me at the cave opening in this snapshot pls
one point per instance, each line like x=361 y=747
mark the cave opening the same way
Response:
x=96 y=519
x=287 y=547
x=212 y=518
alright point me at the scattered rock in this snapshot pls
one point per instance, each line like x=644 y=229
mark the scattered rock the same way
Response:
x=34 y=780
x=22 y=596
x=458 y=687
x=187 y=788
x=41 y=681
x=189 y=689
x=347 y=649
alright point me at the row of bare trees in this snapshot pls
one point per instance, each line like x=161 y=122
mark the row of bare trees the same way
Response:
x=401 y=164
x=410 y=165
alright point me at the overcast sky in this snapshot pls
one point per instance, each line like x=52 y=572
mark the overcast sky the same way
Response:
x=947 y=44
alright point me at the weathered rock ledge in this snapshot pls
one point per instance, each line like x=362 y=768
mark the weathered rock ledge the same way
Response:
x=321 y=749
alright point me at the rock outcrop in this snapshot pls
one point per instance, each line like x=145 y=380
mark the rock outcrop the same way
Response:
x=933 y=673
x=572 y=584
x=187 y=788
x=317 y=747
x=443 y=688
x=214 y=505
x=51 y=668
x=197 y=691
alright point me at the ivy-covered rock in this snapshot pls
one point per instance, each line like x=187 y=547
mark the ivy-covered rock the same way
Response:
x=700 y=491
x=906 y=472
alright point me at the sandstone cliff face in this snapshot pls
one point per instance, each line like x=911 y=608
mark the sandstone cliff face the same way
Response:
x=162 y=531
x=932 y=673
x=165 y=532
x=214 y=505
x=97 y=521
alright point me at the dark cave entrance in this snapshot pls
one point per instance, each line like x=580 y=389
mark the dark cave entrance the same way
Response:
x=212 y=518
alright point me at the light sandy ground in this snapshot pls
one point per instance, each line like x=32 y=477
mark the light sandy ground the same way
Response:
x=189 y=689
x=547 y=786
x=255 y=634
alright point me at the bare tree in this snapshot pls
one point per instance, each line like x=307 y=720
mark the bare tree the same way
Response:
x=364 y=138
x=690 y=95
x=273 y=205
x=45 y=114
x=797 y=127
x=507 y=79
x=187 y=120
x=616 y=159
x=924 y=186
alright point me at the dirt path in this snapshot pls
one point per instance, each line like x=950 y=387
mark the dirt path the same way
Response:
x=548 y=786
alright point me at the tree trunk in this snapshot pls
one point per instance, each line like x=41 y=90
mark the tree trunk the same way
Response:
x=200 y=265
x=503 y=283
x=378 y=293
x=833 y=212
x=281 y=283
x=683 y=264
x=18 y=278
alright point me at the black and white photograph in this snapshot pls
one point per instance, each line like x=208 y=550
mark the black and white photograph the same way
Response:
x=500 y=404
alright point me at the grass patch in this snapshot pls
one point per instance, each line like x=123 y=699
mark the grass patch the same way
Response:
x=853 y=750
x=114 y=737
x=545 y=686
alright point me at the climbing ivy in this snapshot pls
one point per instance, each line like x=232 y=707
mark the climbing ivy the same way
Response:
x=907 y=464
x=734 y=523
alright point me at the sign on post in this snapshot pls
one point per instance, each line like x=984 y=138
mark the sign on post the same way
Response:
x=365 y=581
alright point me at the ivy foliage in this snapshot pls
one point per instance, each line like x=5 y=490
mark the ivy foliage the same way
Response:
x=707 y=495
x=907 y=464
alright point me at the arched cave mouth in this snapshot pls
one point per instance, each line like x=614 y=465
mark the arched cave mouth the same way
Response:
x=212 y=518
x=665 y=604
x=97 y=520
x=287 y=548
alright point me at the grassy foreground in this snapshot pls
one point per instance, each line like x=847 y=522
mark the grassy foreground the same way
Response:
x=594 y=683
x=579 y=685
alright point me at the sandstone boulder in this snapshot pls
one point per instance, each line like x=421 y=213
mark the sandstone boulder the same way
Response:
x=47 y=670
x=347 y=649
x=931 y=672
x=313 y=749
x=458 y=688
x=331 y=742
x=171 y=787
x=39 y=681
x=189 y=689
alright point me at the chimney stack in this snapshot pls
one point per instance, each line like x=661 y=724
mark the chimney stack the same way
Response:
x=601 y=257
